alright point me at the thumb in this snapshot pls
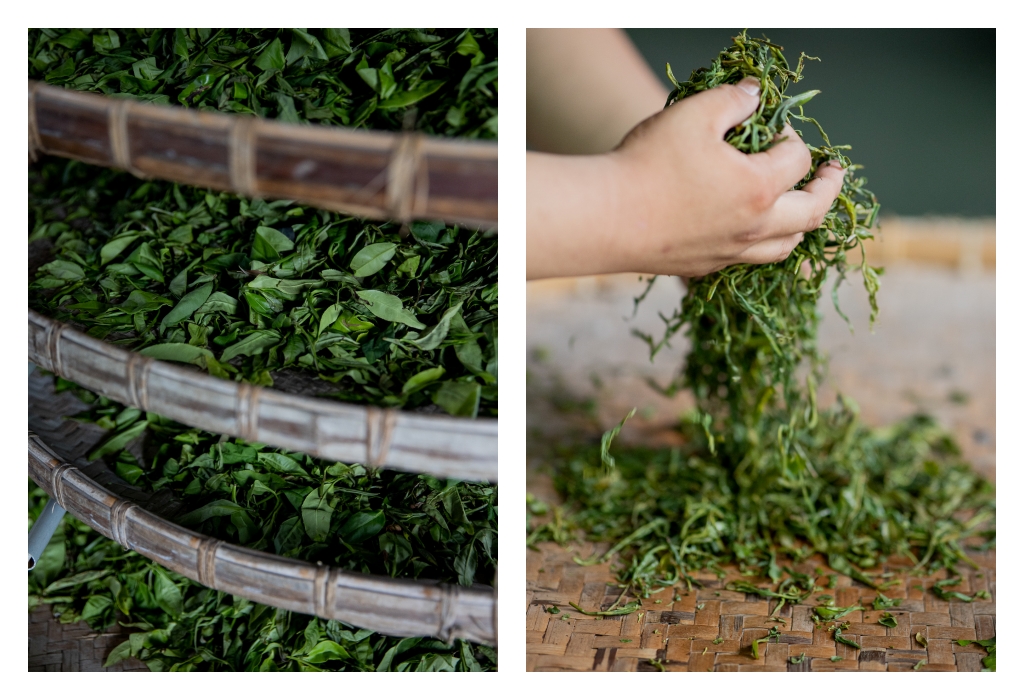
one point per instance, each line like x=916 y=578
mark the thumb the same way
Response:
x=727 y=105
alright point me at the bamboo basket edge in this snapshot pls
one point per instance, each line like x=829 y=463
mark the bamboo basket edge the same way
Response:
x=440 y=445
x=403 y=152
x=432 y=609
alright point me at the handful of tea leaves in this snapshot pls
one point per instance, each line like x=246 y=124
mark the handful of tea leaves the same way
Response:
x=765 y=474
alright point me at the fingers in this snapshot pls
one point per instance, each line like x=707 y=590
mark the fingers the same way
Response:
x=795 y=213
x=799 y=211
x=784 y=164
x=726 y=105
x=771 y=250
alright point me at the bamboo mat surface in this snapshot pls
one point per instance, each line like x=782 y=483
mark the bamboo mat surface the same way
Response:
x=54 y=646
x=932 y=350
x=681 y=635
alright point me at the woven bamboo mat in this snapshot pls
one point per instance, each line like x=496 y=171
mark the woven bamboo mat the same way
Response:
x=680 y=634
x=53 y=646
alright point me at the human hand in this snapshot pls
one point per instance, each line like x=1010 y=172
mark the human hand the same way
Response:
x=690 y=204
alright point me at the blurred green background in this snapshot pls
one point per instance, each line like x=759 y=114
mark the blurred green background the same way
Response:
x=917 y=105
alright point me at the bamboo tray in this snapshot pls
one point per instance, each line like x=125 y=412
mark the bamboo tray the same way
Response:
x=444 y=446
x=390 y=606
x=369 y=174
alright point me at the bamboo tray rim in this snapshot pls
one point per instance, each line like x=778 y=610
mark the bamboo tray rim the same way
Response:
x=400 y=191
x=443 y=446
x=403 y=608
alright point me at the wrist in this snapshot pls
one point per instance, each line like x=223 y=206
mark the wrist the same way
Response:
x=627 y=214
x=572 y=215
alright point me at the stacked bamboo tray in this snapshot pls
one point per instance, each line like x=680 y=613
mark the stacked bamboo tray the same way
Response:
x=398 y=176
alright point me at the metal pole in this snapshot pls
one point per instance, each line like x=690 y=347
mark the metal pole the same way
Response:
x=42 y=530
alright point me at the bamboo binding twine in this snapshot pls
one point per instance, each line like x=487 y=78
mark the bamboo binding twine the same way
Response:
x=447 y=447
x=403 y=176
x=389 y=606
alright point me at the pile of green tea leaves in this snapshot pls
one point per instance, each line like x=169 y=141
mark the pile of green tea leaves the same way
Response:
x=176 y=624
x=765 y=475
x=249 y=290
x=278 y=295
x=357 y=78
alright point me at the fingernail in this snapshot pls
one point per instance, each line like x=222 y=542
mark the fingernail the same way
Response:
x=836 y=164
x=751 y=86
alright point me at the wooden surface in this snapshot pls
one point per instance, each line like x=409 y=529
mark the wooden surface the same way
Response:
x=377 y=175
x=932 y=350
x=444 y=446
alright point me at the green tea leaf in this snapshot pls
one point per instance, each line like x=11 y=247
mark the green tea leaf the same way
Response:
x=436 y=335
x=422 y=379
x=388 y=307
x=253 y=344
x=116 y=246
x=268 y=244
x=316 y=515
x=372 y=258
x=167 y=594
x=117 y=442
x=281 y=463
x=218 y=508
x=459 y=398
x=178 y=352
x=63 y=270
x=362 y=526
x=187 y=305
x=329 y=316
x=326 y=651
x=219 y=302
x=272 y=57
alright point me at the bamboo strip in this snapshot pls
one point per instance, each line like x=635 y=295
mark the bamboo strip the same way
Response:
x=370 y=174
x=447 y=447
x=389 y=606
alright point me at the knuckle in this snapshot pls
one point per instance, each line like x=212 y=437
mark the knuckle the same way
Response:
x=762 y=197
x=738 y=97
x=748 y=237
x=805 y=156
x=816 y=218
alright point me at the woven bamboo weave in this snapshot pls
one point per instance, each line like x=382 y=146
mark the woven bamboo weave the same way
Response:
x=680 y=635
x=377 y=175
x=448 y=447
x=55 y=646
x=390 y=606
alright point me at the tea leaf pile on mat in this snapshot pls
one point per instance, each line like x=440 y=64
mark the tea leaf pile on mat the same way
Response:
x=357 y=78
x=765 y=474
x=176 y=624
x=273 y=294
